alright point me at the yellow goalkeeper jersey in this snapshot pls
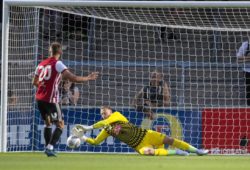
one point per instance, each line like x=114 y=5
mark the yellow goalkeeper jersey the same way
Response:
x=120 y=128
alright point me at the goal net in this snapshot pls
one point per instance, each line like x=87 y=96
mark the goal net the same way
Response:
x=192 y=48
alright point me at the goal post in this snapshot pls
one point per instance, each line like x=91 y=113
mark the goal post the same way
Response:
x=4 y=78
x=192 y=44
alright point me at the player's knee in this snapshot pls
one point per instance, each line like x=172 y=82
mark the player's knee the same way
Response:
x=149 y=151
x=60 y=124
x=48 y=123
x=168 y=140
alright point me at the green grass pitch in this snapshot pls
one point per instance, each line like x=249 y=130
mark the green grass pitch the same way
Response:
x=83 y=161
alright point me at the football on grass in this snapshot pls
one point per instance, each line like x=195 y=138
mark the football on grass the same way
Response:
x=73 y=142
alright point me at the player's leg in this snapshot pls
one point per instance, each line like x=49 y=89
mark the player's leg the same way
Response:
x=47 y=130
x=161 y=152
x=152 y=145
x=183 y=145
x=57 y=117
x=49 y=151
x=168 y=152
x=159 y=147
x=57 y=132
x=44 y=111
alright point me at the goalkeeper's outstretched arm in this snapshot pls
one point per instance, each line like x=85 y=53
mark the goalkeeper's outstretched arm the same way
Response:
x=108 y=116
x=100 y=137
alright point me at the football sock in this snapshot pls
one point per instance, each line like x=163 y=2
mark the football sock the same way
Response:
x=163 y=152
x=56 y=136
x=192 y=149
x=50 y=147
x=47 y=135
x=183 y=145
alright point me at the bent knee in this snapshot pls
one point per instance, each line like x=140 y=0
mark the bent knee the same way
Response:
x=168 y=140
x=48 y=124
x=47 y=121
x=60 y=124
x=148 y=151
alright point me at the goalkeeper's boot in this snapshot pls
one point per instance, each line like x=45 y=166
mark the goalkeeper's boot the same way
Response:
x=201 y=152
x=50 y=153
x=181 y=152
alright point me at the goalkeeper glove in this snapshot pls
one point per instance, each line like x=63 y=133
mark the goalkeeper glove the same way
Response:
x=85 y=127
x=80 y=130
x=84 y=138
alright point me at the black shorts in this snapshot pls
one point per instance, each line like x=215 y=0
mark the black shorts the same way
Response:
x=50 y=109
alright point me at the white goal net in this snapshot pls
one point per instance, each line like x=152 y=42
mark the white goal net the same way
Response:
x=194 y=49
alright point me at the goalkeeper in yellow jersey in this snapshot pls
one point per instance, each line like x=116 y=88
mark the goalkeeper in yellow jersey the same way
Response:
x=145 y=142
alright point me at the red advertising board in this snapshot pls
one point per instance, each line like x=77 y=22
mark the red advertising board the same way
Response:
x=226 y=130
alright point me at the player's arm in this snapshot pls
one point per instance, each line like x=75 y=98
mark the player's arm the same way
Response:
x=244 y=59
x=100 y=137
x=66 y=74
x=166 y=95
x=35 y=81
x=242 y=53
x=79 y=130
x=102 y=123
x=75 y=96
x=115 y=117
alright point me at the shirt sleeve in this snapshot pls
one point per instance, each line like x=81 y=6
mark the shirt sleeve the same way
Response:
x=60 y=67
x=36 y=71
x=116 y=116
x=243 y=50
x=100 y=137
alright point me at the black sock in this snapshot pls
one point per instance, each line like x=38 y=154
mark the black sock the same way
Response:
x=47 y=135
x=56 y=136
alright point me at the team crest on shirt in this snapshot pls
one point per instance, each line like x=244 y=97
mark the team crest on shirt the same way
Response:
x=117 y=129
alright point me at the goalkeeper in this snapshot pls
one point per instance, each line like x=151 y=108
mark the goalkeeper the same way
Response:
x=145 y=142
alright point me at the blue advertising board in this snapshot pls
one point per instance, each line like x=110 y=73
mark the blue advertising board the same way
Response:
x=25 y=130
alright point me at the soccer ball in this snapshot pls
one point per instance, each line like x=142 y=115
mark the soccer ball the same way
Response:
x=73 y=142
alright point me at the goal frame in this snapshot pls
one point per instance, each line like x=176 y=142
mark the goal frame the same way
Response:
x=5 y=33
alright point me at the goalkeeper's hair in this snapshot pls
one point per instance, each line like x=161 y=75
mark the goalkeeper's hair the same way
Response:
x=106 y=107
x=55 y=48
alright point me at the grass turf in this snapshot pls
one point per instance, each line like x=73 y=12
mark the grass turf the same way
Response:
x=82 y=161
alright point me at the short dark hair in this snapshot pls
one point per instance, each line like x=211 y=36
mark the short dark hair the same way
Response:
x=56 y=48
x=155 y=73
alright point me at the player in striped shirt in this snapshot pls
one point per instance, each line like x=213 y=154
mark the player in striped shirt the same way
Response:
x=47 y=78
x=145 y=142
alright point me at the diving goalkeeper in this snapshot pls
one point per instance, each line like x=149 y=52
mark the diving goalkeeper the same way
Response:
x=145 y=142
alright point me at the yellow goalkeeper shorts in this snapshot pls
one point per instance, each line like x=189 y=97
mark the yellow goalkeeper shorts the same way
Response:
x=152 y=139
